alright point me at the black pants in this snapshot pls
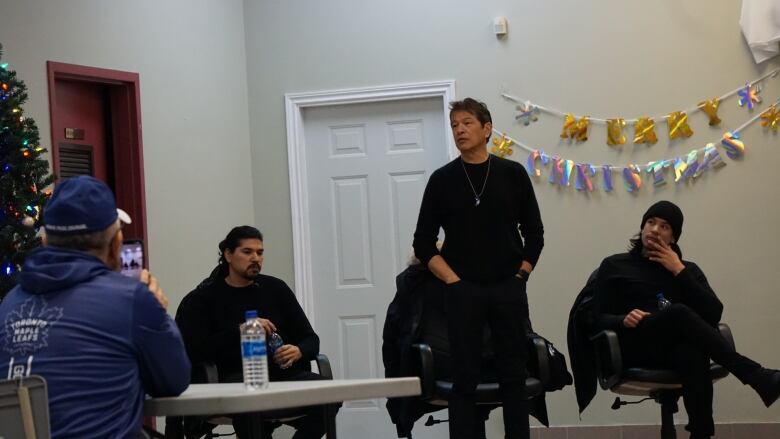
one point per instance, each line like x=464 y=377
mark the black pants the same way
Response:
x=679 y=339
x=309 y=422
x=504 y=307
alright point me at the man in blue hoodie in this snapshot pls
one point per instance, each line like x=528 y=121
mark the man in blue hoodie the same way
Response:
x=101 y=340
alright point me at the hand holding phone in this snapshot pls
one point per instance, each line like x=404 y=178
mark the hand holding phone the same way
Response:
x=154 y=288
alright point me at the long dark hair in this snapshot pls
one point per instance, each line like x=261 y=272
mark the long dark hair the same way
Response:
x=635 y=246
x=231 y=241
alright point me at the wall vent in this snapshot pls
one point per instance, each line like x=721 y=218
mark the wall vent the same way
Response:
x=75 y=160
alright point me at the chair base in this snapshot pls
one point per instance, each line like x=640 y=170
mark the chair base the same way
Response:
x=480 y=425
x=667 y=399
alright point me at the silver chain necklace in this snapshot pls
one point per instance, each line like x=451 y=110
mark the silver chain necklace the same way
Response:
x=484 y=183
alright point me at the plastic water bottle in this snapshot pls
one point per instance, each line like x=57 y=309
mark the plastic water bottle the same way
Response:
x=663 y=302
x=253 y=352
x=274 y=342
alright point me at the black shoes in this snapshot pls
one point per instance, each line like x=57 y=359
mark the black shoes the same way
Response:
x=767 y=384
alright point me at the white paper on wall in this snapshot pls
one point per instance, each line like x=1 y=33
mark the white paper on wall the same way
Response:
x=760 y=22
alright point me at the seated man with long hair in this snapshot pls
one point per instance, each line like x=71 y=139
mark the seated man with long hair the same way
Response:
x=209 y=319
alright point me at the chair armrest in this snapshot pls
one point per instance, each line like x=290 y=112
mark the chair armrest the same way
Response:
x=205 y=372
x=725 y=331
x=427 y=375
x=609 y=360
x=323 y=366
x=539 y=360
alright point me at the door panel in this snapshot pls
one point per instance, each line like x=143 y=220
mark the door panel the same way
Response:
x=352 y=235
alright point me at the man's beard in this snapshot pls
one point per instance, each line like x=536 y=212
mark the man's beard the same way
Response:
x=251 y=272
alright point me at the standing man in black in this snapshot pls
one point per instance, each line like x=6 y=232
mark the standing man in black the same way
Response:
x=493 y=237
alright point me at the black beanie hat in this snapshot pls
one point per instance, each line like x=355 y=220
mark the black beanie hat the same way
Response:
x=667 y=211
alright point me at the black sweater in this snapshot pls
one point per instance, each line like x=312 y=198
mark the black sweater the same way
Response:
x=630 y=281
x=482 y=242
x=209 y=319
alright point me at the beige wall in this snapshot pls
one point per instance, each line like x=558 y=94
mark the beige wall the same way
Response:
x=607 y=59
x=191 y=60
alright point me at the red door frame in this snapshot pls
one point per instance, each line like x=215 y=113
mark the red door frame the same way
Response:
x=128 y=167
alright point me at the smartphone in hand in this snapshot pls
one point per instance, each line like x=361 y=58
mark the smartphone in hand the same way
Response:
x=132 y=256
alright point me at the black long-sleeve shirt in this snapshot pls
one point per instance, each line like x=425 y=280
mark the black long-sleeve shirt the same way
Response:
x=209 y=319
x=630 y=281
x=482 y=242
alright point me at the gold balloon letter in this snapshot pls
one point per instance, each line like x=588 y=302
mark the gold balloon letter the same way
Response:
x=678 y=125
x=644 y=131
x=615 y=131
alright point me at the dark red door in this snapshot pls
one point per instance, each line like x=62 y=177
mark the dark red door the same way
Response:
x=96 y=130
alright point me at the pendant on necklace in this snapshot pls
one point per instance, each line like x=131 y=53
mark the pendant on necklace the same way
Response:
x=476 y=201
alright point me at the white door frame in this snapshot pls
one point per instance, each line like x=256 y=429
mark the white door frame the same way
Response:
x=294 y=104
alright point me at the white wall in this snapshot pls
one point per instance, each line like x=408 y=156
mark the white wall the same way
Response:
x=609 y=58
x=191 y=60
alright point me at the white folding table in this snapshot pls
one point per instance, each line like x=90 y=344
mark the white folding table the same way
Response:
x=228 y=398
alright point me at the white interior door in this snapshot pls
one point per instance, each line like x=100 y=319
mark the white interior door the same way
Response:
x=367 y=166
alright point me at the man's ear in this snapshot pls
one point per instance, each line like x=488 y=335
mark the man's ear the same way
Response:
x=116 y=242
x=113 y=259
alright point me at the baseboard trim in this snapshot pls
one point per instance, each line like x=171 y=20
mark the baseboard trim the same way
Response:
x=735 y=430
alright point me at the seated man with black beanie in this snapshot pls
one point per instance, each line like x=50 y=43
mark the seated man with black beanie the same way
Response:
x=682 y=336
x=209 y=319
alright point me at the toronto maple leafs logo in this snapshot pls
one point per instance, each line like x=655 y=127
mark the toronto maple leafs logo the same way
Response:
x=26 y=329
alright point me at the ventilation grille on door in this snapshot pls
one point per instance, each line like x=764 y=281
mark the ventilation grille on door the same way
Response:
x=75 y=160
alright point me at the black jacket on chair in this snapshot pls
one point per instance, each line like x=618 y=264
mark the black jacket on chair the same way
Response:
x=402 y=329
x=581 y=352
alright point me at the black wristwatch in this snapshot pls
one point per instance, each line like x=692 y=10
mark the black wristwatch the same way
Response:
x=522 y=274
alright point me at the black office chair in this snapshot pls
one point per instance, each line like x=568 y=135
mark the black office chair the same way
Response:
x=437 y=392
x=192 y=427
x=662 y=386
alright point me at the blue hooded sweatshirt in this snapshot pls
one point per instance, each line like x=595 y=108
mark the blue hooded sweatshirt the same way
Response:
x=100 y=339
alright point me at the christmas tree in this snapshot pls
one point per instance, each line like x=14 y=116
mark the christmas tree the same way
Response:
x=23 y=176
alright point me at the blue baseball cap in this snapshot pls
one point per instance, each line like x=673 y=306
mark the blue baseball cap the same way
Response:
x=80 y=205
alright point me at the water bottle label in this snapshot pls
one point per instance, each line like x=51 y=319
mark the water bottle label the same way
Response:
x=252 y=349
x=274 y=342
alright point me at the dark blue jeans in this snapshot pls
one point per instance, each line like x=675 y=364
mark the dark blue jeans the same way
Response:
x=503 y=306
